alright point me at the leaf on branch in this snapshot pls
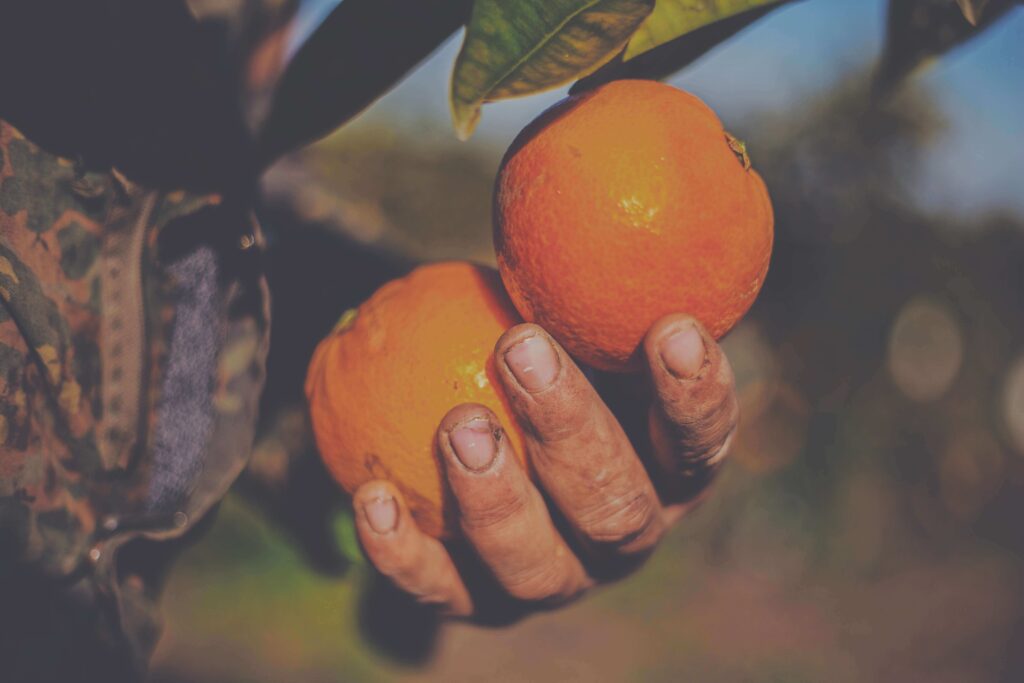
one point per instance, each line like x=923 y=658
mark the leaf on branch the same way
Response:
x=972 y=9
x=920 y=31
x=356 y=55
x=672 y=56
x=674 y=18
x=520 y=47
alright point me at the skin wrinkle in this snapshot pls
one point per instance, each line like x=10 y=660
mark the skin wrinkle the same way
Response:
x=551 y=421
x=698 y=437
x=566 y=447
x=627 y=524
x=685 y=401
x=488 y=515
x=544 y=582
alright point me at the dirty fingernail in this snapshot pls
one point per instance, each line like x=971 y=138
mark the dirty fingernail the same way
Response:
x=683 y=352
x=533 y=363
x=473 y=444
x=382 y=514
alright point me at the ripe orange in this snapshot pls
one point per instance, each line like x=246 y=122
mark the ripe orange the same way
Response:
x=380 y=383
x=624 y=204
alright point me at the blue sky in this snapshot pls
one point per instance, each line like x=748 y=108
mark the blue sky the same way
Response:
x=797 y=52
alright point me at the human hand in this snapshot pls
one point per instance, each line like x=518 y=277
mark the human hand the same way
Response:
x=594 y=509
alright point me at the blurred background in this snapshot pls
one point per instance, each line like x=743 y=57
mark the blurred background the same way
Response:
x=870 y=525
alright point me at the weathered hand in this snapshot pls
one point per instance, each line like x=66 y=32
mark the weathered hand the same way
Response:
x=592 y=512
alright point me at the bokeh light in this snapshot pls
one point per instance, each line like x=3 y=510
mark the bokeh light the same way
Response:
x=1013 y=404
x=925 y=350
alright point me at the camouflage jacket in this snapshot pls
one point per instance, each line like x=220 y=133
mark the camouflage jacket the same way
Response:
x=134 y=309
x=133 y=334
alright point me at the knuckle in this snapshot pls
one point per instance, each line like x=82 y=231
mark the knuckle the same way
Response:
x=546 y=582
x=432 y=594
x=420 y=583
x=712 y=455
x=564 y=419
x=698 y=432
x=398 y=562
x=482 y=515
x=623 y=523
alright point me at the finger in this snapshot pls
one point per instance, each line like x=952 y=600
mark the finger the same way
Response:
x=695 y=413
x=415 y=562
x=580 y=453
x=501 y=513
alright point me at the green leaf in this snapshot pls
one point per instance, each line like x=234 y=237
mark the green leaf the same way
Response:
x=344 y=527
x=519 y=47
x=669 y=57
x=972 y=9
x=674 y=18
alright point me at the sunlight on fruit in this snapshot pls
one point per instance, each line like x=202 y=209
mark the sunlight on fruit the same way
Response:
x=925 y=350
x=1013 y=404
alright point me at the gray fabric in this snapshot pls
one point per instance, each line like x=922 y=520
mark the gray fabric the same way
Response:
x=184 y=416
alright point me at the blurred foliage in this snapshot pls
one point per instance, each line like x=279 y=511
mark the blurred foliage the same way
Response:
x=921 y=31
x=868 y=527
x=422 y=198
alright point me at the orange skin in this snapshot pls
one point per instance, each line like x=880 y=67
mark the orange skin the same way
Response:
x=622 y=205
x=419 y=346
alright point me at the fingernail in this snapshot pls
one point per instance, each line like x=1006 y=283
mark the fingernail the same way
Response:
x=683 y=352
x=382 y=514
x=533 y=363
x=473 y=443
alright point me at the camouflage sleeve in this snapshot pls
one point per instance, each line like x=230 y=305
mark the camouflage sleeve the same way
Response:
x=133 y=338
x=49 y=244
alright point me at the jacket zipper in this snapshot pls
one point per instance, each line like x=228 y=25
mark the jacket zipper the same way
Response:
x=123 y=330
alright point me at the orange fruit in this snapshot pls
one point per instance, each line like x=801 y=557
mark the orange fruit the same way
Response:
x=621 y=205
x=380 y=383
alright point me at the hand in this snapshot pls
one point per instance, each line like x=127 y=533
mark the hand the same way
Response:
x=593 y=511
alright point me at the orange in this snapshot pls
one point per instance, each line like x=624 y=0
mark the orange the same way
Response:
x=380 y=383
x=624 y=204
